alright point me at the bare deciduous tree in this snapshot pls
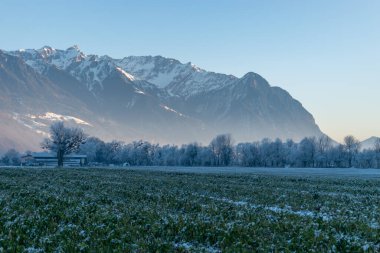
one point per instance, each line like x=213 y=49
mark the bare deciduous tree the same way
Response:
x=351 y=146
x=324 y=144
x=222 y=147
x=63 y=140
x=307 y=151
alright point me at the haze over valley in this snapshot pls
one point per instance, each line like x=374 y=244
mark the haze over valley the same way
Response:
x=190 y=126
x=139 y=97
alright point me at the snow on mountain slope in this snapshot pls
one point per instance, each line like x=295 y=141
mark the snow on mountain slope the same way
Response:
x=139 y=97
x=170 y=75
x=39 y=123
x=58 y=117
x=16 y=135
x=40 y=59
x=89 y=69
x=178 y=79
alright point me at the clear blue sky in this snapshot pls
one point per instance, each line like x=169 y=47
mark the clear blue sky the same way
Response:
x=325 y=53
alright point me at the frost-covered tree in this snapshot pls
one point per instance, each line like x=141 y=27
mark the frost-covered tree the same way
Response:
x=11 y=157
x=290 y=152
x=310 y=152
x=63 y=140
x=277 y=153
x=336 y=156
x=142 y=153
x=222 y=148
x=112 y=152
x=307 y=151
x=376 y=150
x=169 y=155
x=190 y=154
x=366 y=159
x=92 y=148
x=323 y=146
x=351 y=146
x=247 y=154
x=376 y=146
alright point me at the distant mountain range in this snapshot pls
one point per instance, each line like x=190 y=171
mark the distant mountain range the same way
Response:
x=369 y=143
x=138 y=97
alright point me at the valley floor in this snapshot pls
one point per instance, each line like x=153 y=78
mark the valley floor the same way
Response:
x=325 y=172
x=177 y=210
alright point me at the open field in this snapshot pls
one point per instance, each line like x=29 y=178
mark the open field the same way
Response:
x=308 y=172
x=140 y=209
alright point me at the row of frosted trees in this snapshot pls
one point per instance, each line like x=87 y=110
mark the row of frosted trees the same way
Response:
x=310 y=152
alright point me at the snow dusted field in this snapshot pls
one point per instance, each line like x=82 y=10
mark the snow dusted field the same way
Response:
x=174 y=209
x=326 y=172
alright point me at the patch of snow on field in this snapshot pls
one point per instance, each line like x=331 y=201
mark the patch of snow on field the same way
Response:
x=374 y=225
x=319 y=172
x=187 y=246
x=183 y=245
x=276 y=209
x=33 y=250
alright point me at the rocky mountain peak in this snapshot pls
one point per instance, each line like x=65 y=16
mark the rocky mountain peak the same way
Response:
x=148 y=97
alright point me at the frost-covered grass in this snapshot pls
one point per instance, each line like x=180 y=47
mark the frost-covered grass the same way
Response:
x=102 y=210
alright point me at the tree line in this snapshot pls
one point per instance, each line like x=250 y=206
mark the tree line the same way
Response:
x=309 y=152
x=222 y=151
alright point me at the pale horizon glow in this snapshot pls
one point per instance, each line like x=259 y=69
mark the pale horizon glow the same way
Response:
x=326 y=54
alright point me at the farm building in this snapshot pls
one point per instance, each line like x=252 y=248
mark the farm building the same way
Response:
x=50 y=160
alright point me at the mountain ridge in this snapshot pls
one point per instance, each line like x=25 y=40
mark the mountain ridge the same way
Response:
x=369 y=143
x=149 y=97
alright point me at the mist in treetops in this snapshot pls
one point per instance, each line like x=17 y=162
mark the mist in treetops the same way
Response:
x=222 y=151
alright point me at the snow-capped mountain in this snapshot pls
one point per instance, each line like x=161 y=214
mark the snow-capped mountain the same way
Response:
x=182 y=80
x=143 y=97
x=91 y=69
x=169 y=75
